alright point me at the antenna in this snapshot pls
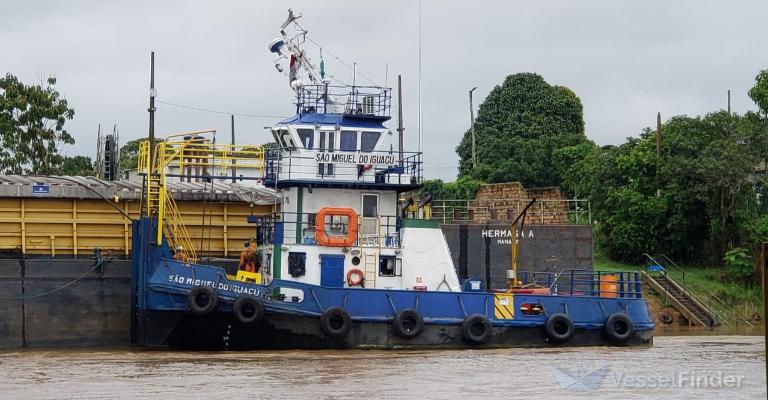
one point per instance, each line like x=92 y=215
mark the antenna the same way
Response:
x=288 y=48
x=99 y=154
x=291 y=19
x=421 y=138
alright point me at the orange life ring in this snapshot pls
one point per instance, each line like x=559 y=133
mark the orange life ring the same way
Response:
x=324 y=239
x=355 y=282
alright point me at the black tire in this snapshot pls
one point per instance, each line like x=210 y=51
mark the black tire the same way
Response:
x=335 y=322
x=248 y=309
x=560 y=328
x=619 y=328
x=202 y=300
x=476 y=328
x=408 y=323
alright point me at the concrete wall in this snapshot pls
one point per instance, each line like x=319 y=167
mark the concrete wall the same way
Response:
x=484 y=251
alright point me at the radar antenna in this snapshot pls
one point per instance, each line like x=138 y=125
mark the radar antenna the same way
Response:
x=289 y=49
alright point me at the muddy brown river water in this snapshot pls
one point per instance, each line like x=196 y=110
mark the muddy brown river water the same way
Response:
x=677 y=367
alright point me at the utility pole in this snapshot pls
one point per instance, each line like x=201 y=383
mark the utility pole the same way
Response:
x=152 y=95
x=472 y=122
x=400 y=128
x=658 y=152
x=729 y=101
x=232 y=149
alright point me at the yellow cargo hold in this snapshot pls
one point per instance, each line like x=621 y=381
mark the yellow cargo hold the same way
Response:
x=58 y=225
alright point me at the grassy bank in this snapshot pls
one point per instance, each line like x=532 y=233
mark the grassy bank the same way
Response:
x=746 y=299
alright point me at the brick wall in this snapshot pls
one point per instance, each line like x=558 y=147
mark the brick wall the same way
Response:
x=500 y=202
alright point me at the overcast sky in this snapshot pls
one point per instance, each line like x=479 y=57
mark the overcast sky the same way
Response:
x=626 y=60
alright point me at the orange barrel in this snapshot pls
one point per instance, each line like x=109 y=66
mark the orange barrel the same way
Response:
x=608 y=286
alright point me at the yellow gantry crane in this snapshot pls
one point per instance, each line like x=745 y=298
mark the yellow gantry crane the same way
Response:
x=194 y=156
x=512 y=281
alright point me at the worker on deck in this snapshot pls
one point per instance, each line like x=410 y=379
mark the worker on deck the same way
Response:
x=180 y=255
x=248 y=257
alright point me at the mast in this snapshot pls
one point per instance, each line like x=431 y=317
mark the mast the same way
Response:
x=400 y=128
x=152 y=95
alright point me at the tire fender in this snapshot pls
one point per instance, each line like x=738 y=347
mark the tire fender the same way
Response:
x=619 y=327
x=559 y=328
x=202 y=300
x=248 y=309
x=335 y=322
x=408 y=323
x=476 y=328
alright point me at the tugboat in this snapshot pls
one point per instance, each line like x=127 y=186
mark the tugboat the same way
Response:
x=345 y=263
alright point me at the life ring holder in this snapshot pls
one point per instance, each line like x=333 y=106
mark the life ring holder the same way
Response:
x=355 y=277
x=324 y=239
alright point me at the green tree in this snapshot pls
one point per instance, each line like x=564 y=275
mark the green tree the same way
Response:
x=520 y=128
x=462 y=189
x=76 y=166
x=129 y=154
x=32 y=121
x=707 y=201
x=759 y=92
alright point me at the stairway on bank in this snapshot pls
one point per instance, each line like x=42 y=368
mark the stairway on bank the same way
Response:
x=682 y=301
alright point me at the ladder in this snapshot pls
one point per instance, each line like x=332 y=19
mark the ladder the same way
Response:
x=371 y=255
x=370 y=262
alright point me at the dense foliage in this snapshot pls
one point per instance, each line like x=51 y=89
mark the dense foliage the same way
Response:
x=709 y=195
x=704 y=196
x=129 y=154
x=75 y=166
x=520 y=127
x=463 y=188
x=32 y=121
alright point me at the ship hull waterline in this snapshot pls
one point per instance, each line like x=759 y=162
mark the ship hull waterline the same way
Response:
x=222 y=331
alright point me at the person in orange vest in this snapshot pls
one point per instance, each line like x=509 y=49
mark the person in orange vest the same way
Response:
x=180 y=255
x=248 y=261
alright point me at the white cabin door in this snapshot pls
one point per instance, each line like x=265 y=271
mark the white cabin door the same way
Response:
x=369 y=219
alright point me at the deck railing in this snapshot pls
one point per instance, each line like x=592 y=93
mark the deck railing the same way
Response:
x=575 y=282
x=353 y=101
x=299 y=228
x=302 y=164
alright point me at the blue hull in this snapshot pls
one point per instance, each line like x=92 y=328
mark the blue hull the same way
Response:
x=292 y=312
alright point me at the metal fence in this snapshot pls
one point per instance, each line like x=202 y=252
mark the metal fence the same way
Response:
x=357 y=101
x=574 y=282
x=563 y=212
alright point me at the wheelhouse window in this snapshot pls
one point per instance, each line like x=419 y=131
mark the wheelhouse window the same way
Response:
x=283 y=138
x=307 y=137
x=368 y=141
x=348 y=141
x=327 y=144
